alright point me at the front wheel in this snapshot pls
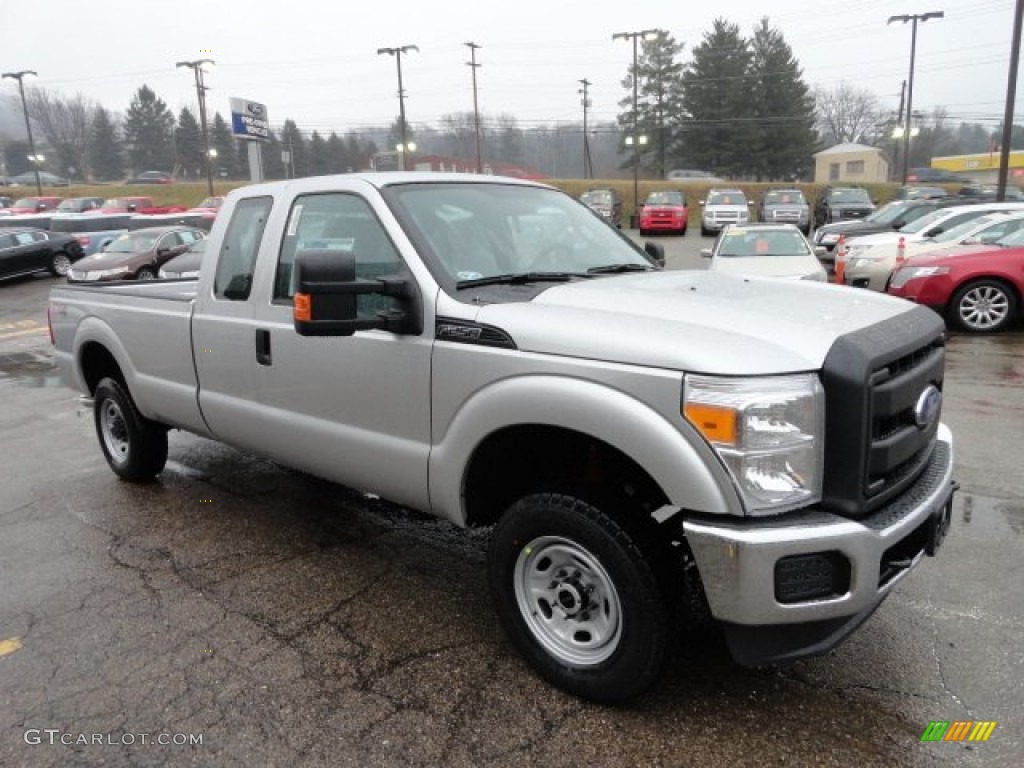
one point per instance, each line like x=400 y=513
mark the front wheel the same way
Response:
x=134 y=447
x=983 y=306
x=578 y=598
x=146 y=274
x=60 y=264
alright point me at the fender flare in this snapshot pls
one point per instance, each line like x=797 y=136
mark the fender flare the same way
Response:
x=678 y=460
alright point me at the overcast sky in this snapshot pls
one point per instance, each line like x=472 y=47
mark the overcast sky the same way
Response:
x=316 y=62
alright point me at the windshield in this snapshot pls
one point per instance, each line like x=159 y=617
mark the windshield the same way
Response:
x=132 y=243
x=473 y=231
x=965 y=228
x=727 y=198
x=887 y=213
x=71 y=205
x=919 y=225
x=850 y=196
x=786 y=197
x=665 y=198
x=738 y=242
x=599 y=196
x=26 y=202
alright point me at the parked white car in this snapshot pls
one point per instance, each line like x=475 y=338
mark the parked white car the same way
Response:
x=723 y=207
x=868 y=261
x=765 y=250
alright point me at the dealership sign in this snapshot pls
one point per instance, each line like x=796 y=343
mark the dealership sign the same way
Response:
x=249 y=120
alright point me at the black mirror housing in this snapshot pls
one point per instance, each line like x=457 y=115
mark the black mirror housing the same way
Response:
x=325 y=302
x=656 y=253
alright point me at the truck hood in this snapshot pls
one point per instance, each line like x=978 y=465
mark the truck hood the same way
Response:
x=692 y=321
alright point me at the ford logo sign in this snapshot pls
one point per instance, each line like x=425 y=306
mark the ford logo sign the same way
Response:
x=254 y=109
x=926 y=410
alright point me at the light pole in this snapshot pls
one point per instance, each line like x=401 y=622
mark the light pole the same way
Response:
x=646 y=34
x=588 y=171
x=1011 y=95
x=19 y=76
x=913 y=18
x=476 y=112
x=197 y=67
x=397 y=53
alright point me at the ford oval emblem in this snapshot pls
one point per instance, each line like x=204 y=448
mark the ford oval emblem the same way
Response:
x=926 y=411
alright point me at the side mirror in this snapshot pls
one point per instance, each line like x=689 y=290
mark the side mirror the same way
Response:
x=820 y=251
x=705 y=252
x=899 y=224
x=326 y=292
x=132 y=206
x=41 y=207
x=656 y=251
x=874 y=201
x=163 y=251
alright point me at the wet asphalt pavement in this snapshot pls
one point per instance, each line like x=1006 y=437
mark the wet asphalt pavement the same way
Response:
x=279 y=620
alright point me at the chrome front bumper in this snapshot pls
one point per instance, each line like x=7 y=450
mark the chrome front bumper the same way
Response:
x=737 y=559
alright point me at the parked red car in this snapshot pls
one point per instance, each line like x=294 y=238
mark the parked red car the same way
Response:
x=139 y=205
x=978 y=288
x=664 y=212
x=33 y=205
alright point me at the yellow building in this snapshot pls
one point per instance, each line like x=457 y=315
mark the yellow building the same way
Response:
x=850 y=164
x=983 y=167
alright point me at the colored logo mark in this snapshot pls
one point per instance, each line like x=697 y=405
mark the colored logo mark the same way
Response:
x=958 y=730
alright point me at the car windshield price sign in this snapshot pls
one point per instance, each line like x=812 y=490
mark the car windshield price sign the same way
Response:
x=249 y=120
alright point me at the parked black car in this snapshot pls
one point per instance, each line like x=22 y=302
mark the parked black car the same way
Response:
x=24 y=251
x=842 y=203
x=988 y=192
x=890 y=216
x=785 y=206
x=607 y=202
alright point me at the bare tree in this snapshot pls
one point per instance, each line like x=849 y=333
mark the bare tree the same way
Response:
x=459 y=132
x=64 y=123
x=846 y=113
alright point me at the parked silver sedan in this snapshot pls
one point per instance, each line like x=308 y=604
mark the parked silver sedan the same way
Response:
x=765 y=250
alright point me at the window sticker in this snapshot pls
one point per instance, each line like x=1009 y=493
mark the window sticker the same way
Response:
x=293 y=222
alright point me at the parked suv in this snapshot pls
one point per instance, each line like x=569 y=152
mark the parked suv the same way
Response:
x=607 y=202
x=839 y=203
x=723 y=207
x=785 y=206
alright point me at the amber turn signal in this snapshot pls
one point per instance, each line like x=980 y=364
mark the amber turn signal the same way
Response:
x=302 y=307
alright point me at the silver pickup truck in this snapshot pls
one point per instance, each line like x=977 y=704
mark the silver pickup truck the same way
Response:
x=651 y=447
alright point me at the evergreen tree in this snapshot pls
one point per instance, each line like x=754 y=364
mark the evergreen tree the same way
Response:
x=783 y=107
x=358 y=154
x=292 y=141
x=337 y=155
x=716 y=127
x=188 y=145
x=273 y=165
x=105 y=151
x=221 y=139
x=16 y=155
x=148 y=132
x=317 y=155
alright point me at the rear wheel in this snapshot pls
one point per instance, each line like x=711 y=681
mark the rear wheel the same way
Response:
x=134 y=447
x=983 y=306
x=146 y=274
x=578 y=598
x=60 y=264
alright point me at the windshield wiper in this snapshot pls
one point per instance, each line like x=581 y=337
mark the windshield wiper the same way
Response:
x=519 y=278
x=610 y=269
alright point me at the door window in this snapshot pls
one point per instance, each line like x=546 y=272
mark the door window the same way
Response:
x=24 y=238
x=343 y=223
x=237 y=258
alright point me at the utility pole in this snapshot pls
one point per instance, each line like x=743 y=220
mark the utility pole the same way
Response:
x=646 y=34
x=476 y=111
x=397 y=53
x=913 y=18
x=1011 y=95
x=197 y=67
x=899 y=121
x=588 y=170
x=19 y=76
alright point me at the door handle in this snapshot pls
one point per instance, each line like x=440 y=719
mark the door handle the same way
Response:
x=263 y=346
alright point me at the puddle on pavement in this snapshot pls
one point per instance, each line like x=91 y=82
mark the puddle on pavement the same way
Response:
x=990 y=516
x=34 y=370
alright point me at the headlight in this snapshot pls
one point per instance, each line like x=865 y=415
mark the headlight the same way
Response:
x=906 y=274
x=860 y=252
x=109 y=273
x=769 y=433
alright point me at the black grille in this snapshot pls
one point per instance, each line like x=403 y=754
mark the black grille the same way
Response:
x=873 y=379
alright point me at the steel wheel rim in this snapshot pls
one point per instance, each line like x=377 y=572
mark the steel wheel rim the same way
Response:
x=145 y=274
x=984 y=307
x=114 y=430
x=568 y=601
x=61 y=264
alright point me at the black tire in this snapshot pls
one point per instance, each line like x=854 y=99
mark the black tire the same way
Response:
x=703 y=231
x=60 y=264
x=983 y=306
x=586 y=554
x=146 y=274
x=134 y=447
x=643 y=233
x=682 y=232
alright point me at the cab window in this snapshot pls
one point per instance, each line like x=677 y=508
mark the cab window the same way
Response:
x=343 y=223
x=237 y=258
